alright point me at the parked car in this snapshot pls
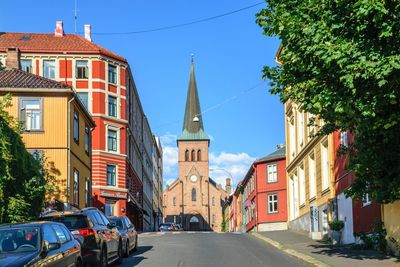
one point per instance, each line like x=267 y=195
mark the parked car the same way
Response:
x=38 y=244
x=178 y=227
x=165 y=227
x=128 y=233
x=102 y=242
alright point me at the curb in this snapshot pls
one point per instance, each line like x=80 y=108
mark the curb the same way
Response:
x=304 y=257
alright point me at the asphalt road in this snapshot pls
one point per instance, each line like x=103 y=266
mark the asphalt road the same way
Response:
x=193 y=249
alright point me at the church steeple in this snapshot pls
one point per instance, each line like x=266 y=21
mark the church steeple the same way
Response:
x=193 y=128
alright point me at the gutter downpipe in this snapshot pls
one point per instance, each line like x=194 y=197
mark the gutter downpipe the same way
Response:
x=69 y=150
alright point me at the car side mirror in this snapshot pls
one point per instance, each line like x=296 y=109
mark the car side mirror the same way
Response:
x=47 y=246
x=111 y=225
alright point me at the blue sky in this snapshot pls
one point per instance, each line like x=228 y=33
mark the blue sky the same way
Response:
x=230 y=53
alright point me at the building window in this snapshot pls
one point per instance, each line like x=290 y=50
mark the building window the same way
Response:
x=344 y=139
x=213 y=218
x=174 y=201
x=193 y=156
x=312 y=176
x=76 y=126
x=292 y=138
x=273 y=203
x=31 y=114
x=213 y=201
x=87 y=139
x=302 y=185
x=325 y=165
x=49 y=69
x=112 y=140
x=300 y=128
x=88 y=192
x=272 y=173
x=112 y=74
x=199 y=155
x=366 y=200
x=187 y=155
x=109 y=208
x=26 y=65
x=76 y=188
x=112 y=106
x=84 y=98
x=82 y=69
x=311 y=125
x=111 y=174
x=193 y=194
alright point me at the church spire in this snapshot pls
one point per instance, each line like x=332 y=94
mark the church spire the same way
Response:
x=193 y=128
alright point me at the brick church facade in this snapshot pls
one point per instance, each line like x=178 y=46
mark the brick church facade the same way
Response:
x=194 y=200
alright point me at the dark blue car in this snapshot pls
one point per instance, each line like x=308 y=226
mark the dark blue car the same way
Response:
x=38 y=244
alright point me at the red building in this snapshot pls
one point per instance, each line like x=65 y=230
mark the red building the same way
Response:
x=264 y=193
x=357 y=215
x=99 y=77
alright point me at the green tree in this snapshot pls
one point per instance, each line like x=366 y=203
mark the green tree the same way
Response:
x=23 y=181
x=341 y=61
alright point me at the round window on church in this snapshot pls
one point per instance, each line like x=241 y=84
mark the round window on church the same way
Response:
x=193 y=178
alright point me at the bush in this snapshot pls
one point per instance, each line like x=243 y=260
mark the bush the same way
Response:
x=336 y=225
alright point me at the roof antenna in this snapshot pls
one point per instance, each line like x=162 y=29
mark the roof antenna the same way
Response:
x=76 y=13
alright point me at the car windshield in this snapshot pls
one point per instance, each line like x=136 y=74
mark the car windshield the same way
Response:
x=71 y=222
x=118 y=223
x=19 y=240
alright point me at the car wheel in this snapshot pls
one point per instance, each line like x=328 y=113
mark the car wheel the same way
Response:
x=78 y=263
x=119 y=260
x=126 y=253
x=135 y=248
x=103 y=258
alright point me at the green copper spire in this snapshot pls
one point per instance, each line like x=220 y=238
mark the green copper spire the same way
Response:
x=193 y=128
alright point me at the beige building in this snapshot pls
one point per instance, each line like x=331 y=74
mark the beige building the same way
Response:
x=309 y=165
x=194 y=200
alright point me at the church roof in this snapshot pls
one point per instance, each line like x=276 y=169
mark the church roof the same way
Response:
x=193 y=128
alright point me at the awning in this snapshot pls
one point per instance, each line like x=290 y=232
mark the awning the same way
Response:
x=132 y=201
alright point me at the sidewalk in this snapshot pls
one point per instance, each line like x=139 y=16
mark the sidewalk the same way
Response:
x=320 y=254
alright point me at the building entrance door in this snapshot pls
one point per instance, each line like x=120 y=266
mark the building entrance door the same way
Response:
x=194 y=224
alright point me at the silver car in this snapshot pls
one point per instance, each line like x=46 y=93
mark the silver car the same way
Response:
x=128 y=233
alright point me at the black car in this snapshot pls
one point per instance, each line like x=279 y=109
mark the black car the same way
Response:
x=38 y=244
x=102 y=242
x=128 y=233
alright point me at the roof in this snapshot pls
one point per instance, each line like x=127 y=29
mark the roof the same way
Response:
x=49 y=43
x=14 y=78
x=25 y=224
x=277 y=154
x=193 y=128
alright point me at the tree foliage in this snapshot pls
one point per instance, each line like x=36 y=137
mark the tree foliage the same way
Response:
x=23 y=181
x=341 y=61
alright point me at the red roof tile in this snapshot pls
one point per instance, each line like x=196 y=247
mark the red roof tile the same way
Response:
x=20 y=79
x=48 y=43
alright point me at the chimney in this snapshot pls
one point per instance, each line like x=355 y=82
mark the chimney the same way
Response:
x=59 y=32
x=279 y=146
x=228 y=185
x=12 y=61
x=88 y=34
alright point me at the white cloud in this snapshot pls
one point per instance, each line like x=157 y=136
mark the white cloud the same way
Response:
x=236 y=164
x=224 y=164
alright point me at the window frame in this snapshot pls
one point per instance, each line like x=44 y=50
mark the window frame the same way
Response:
x=109 y=105
x=194 y=195
x=76 y=189
x=85 y=72
x=344 y=139
x=269 y=181
x=87 y=139
x=366 y=201
x=83 y=101
x=114 y=73
x=22 y=114
x=116 y=139
x=273 y=201
x=76 y=126
x=30 y=66
x=44 y=68
x=115 y=174
x=325 y=165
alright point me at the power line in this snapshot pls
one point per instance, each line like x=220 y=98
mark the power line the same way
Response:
x=179 y=25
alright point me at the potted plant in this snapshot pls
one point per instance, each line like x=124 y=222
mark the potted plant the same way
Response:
x=336 y=227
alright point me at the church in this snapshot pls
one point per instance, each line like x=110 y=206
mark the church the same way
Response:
x=194 y=200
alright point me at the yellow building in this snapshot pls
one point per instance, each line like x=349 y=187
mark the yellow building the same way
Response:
x=56 y=126
x=309 y=165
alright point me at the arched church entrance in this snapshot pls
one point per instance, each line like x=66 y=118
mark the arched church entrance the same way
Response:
x=194 y=224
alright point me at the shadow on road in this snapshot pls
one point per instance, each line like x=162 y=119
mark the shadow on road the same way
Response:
x=141 y=250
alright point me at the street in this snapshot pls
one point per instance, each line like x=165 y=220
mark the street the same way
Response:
x=184 y=249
